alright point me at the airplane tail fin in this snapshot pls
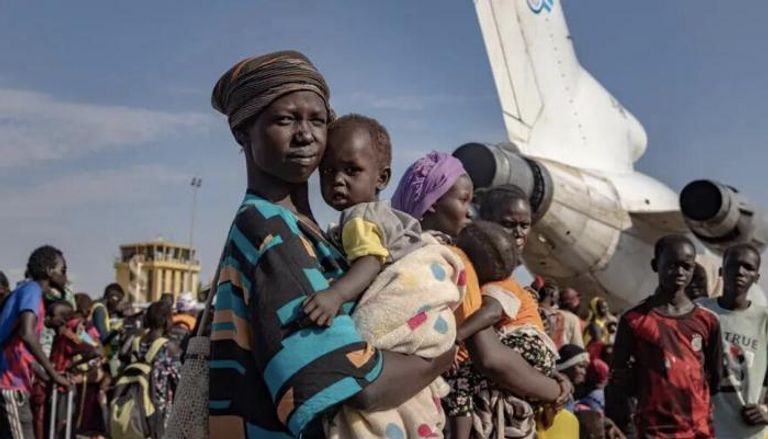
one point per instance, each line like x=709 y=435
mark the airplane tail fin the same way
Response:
x=552 y=107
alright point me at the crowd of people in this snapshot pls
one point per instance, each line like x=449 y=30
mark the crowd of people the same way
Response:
x=67 y=360
x=404 y=320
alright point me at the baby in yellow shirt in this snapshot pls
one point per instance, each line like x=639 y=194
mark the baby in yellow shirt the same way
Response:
x=356 y=167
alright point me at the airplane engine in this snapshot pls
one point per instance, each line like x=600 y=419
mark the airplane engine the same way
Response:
x=496 y=165
x=578 y=217
x=720 y=216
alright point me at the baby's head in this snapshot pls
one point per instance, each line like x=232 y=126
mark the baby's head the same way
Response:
x=357 y=161
x=490 y=248
x=58 y=313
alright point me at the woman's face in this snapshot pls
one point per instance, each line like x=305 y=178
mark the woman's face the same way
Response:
x=287 y=139
x=578 y=373
x=516 y=218
x=450 y=214
x=602 y=308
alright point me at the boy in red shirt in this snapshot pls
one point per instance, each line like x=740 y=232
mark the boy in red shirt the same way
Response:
x=667 y=354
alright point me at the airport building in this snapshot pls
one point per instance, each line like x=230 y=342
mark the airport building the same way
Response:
x=146 y=270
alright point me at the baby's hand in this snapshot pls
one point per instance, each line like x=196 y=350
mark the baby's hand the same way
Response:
x=321 y=308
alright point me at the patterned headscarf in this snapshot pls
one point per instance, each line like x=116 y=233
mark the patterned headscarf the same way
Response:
x=425 y=181
x=252 y=84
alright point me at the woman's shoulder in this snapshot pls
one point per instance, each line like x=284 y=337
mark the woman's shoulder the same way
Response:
x=259 y=221
x=258 y=209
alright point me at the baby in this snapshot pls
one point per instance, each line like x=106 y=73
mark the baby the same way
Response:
x=511 y=310
x=404 y=285
x=354 y=170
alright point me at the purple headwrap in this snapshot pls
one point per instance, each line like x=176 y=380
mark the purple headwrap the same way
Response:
x=425 y=181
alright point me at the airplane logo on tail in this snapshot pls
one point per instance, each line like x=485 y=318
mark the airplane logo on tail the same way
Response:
x=538 y=5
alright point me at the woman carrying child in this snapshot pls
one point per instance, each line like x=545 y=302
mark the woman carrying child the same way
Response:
x=411 y=283
x=273 y=372
x=437 y=191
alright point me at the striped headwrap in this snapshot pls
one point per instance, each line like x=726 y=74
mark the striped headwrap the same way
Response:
x=252 y=84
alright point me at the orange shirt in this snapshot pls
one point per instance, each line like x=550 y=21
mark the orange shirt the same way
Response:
x=523 y=305
x=184 y=319
x=472 y=297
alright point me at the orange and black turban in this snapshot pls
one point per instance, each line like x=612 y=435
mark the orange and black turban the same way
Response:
x=252 y=84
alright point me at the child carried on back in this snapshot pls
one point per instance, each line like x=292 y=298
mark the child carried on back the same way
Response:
x=402 y=283
x=474 y=404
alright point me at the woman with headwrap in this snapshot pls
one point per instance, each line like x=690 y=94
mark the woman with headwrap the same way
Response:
x=437 y=191
x=601 y=324
x=270 y=376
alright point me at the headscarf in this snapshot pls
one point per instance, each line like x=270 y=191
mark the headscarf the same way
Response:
x=252 y=84
x=186 y=303
x=425 y=181
x=571 y=355
x=598 y=372
x=594 y=315
x=600 y=322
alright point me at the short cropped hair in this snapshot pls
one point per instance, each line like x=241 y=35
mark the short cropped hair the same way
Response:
x=490 y=248
x=499 y=197
x=41 y=261
x=548 y=290
x=113 y=287
x=4 y=280
x=668 y=241
x=158 y=315
x=740 y=248
x=381 y=141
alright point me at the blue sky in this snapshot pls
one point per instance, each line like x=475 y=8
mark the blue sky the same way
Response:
x=105 y=112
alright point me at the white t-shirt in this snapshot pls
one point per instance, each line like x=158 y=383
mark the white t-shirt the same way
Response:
x=745 y=347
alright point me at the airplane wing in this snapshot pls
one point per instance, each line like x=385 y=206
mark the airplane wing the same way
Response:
x=552 y=107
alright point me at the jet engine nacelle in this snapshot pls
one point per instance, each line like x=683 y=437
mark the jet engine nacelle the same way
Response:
x=497 y=165
x=578 y=217
x=720 y=216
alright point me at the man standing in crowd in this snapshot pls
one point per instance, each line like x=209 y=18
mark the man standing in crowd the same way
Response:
x=21 y=322
x=103 y=311
x=102 y=314
x=740 y=412
x=667 y=353
x=563 y=327
x=570 y=300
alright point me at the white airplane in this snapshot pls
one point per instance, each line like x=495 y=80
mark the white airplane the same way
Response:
x=572 y=147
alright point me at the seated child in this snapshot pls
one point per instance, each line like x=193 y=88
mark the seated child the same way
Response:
x=510 y=309
x=354 y=170
x=404 y=285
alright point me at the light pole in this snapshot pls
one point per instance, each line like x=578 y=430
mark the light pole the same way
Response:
x=195 y=184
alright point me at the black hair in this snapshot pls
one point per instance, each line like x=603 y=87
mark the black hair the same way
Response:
x=741 y=248
x=490 y=248
x=4 y=280
x=113 y=287
x=83 y=303
x=58 y=303
x=548 y=290
x=381 y=141
x=41 y=261
x=668 y=241
x=167 y=298
x=499 y=197
x=157 y=316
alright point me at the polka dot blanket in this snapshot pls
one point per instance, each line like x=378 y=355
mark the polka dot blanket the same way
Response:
x=408 y=309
